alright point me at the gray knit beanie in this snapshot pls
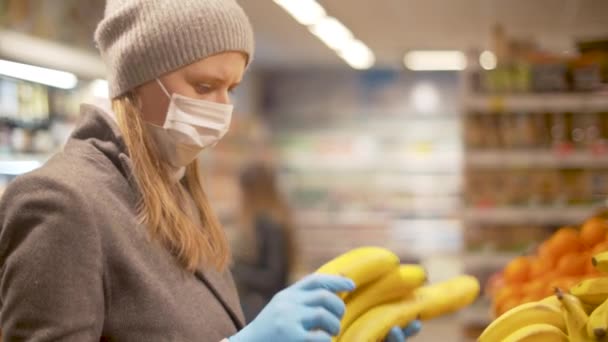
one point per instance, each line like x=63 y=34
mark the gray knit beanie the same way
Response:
x=140 y=40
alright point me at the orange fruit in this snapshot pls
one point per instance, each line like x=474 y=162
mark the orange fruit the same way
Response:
x=572 y=264
x=518 y=270
x=528 y=299
x=539 y=267
x=507 y=292
x=546 y=253
x=600 y=247
x=504 y=295
x=508 y=305
x=535 y=288
x=564 y=283
x=593 y=231
x=589 y=269
x=565 y=240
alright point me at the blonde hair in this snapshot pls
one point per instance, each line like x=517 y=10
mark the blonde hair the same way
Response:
x=163 y=203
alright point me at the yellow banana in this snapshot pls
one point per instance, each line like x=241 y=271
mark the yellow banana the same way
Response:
x=392 y=286
x=597 y=325
x=424 y=303
x=600 y=261
x=575 y=316
x=552 y=300
x=448 y=296
x=362 y=265
x=375 y=324
x=537 y=333
x=542 y=312
x=592 y=291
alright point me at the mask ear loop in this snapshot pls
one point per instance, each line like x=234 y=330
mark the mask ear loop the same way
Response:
x=163 y=88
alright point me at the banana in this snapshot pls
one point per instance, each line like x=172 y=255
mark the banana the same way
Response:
x=541 y=312
x=538 y=332
x=592 y=291
x=575 y=316
x=362 y=265
x=392 y=286
x=448 y=296
x=553 y=301
x=375 y=324
x=600 y=261
x=424 y=303
x=597 y=325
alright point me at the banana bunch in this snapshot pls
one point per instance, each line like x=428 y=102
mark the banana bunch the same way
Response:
x=389 y=294
x=578 y=316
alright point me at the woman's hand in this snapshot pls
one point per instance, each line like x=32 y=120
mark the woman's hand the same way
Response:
x=398 y=334
x=309 y=310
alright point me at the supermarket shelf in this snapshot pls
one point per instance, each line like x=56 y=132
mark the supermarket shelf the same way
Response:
x=539 y=215
x=445 y=165
x=16 y=164
x=540 y=158
x=474 y=259
x=537 y=102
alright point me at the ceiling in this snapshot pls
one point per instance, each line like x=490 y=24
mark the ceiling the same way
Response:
x=388 y=27
x=391 y=27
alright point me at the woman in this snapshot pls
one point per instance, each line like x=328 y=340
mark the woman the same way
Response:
x=265 y=247
x=114 y=238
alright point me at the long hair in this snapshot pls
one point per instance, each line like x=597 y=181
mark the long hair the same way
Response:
x=163 y=203
x=262 y=198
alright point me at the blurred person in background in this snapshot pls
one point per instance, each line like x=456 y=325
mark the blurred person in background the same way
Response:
x=265 y=247
x=114 y=238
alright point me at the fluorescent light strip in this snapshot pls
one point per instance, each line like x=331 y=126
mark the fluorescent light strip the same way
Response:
x=357 y=55
x=306 y=12
x=330 y=31
x=435 y=60
x=50 y=77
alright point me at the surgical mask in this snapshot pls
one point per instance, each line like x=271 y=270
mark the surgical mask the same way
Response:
x=191 y=125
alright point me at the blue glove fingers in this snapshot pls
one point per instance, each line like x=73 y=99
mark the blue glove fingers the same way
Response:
x=323 y=281
x=321 y=319
x=317 y=336
x=327 y=300
x=395 y=335
x=412 y=329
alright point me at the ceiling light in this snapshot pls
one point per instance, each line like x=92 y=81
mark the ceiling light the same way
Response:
x=99 y=88
x=50 y=77
x=487 y=60
x=332 y=32
x=306 y=12
x=435 y=60
x=357 y=55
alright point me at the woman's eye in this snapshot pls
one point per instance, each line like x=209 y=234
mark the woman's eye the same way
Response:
x=203 y=88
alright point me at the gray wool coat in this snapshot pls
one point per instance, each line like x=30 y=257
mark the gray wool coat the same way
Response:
x=75 y=265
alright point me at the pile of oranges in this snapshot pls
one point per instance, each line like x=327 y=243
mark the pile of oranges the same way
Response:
x=561 y=261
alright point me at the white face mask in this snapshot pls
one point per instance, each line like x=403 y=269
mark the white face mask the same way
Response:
x=191 y=125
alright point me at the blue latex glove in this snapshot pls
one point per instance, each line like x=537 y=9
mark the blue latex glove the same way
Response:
x=397 y=334
x=309 y=310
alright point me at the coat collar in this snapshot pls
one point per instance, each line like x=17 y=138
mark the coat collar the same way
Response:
x=223 y=289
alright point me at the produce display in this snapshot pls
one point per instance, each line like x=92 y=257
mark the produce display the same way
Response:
x=560 y=294
x=391 y=294
x=561 y=261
